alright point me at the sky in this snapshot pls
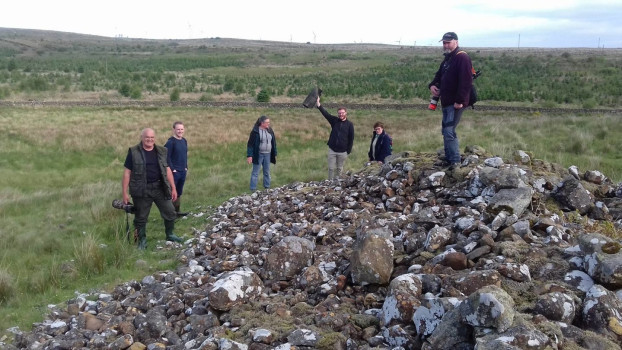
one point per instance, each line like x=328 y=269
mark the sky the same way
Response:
x=478 y=23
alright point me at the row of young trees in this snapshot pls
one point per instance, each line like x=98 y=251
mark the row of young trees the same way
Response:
x=587 y=80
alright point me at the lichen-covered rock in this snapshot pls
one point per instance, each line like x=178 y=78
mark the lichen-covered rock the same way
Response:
x=234 y=288
x=512 y=200
x=288 y=257
x=573 y=196
x=372 y=257
x=556 y=306
x=519 y=337
x=489 y=306
x=303 y=337
x=466 y=283
x=602 y=312
x=437 y=238
x=402 y=299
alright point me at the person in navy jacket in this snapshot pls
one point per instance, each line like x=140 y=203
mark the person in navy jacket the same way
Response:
x=381 y=144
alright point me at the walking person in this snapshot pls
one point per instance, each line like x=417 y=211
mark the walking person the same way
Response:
x=261 y=151
x=455 y=78
x=148 y=178
x=381 y=144
x=340 y=140
x=177 y=147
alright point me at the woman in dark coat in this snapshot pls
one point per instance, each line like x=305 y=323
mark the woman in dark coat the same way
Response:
x=261 y=151
x=381 y=144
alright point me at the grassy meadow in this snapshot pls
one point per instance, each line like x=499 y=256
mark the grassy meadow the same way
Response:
x=60 y=168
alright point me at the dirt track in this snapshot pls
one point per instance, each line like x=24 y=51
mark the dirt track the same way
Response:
x=354 y=106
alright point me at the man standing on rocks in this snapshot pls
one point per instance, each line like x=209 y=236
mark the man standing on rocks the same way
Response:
x=340 y=141
x=177 y=147
x=455 y=78
x=149 y=179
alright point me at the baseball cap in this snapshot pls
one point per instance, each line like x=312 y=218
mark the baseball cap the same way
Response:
x=449 y=36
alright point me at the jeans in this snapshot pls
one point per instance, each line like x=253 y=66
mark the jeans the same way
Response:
x=335 y=163
x=451 y=118
x=179 y=176
x=264 y=162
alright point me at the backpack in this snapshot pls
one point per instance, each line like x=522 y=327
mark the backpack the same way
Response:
x=473 y=95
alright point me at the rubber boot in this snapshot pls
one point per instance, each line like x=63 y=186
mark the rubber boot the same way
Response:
x=141 y=234
x=177 y=205
x=169 y=226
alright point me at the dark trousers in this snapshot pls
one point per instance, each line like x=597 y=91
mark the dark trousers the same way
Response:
x=154 y=193
x=180 y=179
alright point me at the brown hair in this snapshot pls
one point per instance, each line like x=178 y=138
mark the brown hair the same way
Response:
x=378 y=124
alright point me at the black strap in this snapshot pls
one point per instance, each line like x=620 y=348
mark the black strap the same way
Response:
x=127 y=226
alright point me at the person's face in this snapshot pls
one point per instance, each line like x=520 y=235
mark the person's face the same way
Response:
x=265 y=124
x=179 y=130
x=378 y=130
x=343 y=115
x=449 y=46
x=148 y=139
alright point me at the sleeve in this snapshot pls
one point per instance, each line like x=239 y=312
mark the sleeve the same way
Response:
x=128 y=160
x=186 y=142
x=169 y=145
x=350 y=138
x=273 y=141
x=437 y=77
x=386 y=147
x=250 y=145
x=329 y=117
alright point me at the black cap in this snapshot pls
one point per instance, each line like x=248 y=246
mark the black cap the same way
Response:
x=449 y=36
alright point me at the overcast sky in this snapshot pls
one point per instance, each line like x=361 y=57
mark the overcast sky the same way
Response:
x=478 y=23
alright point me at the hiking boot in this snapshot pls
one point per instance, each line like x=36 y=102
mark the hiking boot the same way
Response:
x=454 y=166
x=177 y=205
x=169 y=225
x=141 y=237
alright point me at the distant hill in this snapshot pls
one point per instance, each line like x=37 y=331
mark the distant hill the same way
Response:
x=29 y=41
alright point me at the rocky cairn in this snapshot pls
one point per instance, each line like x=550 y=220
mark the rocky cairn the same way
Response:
x=409 y=255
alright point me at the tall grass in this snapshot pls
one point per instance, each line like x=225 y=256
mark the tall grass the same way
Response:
x=60 y=168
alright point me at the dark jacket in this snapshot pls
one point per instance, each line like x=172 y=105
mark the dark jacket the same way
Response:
x=341 y=134
x=138 y=176
x=455 y=78
x=252 y=146
x=383 y=147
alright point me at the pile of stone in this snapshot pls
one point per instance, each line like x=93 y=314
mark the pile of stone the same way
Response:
x=492 y=255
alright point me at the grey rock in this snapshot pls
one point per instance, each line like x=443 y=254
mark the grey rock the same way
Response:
x=573 y=196
x=402 y=299
x=556 y=306
x=489 y=306
x=234 y=288
x=303 y=337
x=372 y=258
x=513 y=201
